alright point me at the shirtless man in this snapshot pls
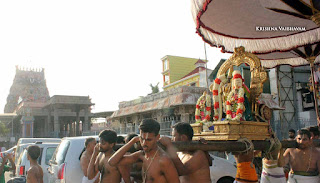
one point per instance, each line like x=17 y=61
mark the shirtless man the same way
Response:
x=157 y=166
x=192 y=166
x=89 y=144
x=272 y=164
x=100 y=156
x=35 y=173
x=314 y=131
x=304 y=160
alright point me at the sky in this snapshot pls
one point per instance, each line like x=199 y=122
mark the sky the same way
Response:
x=108 y=50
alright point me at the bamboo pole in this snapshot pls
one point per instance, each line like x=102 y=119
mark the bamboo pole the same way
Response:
x=228 y=145
x=311 y=61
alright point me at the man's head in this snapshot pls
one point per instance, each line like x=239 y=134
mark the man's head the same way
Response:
x=182 y=132
x=33 y=152
x=303 y=139
x=120 y=140
x=108 y=138
x=89 y=143
x=292 y=133
x=149 y=134
x=314 y=131
x=129 y=137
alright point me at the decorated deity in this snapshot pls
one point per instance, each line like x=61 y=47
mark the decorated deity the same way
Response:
x=203 y=111
x=235 y=99
x=203 y=108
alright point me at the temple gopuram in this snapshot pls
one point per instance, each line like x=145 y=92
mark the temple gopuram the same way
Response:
x=31 y=112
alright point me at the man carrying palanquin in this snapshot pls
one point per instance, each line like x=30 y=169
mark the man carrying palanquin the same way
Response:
x=157 y=166
x=304 y=160
x=191 y=166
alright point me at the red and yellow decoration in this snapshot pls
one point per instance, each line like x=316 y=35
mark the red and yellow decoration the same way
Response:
x=235 y=100
x=219 y=81
x=203 y=106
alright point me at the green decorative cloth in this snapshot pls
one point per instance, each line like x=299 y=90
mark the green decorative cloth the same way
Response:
x=5 y=169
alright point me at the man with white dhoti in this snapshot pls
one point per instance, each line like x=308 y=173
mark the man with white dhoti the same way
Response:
x=304 y=160
x=272 y=165
x=85 y=157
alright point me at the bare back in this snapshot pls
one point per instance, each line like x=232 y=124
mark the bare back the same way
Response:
x=305 y=161
x=35 y=174
x=109 y=174
x=84 y=162
x=198 y=162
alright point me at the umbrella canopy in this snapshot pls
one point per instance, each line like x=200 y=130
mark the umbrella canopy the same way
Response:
x=296 y=57
x=261 y=26
x=282 y=32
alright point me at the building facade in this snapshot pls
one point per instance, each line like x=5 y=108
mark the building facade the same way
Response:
x=183 y=71
x=167 y=107
x=39 y=115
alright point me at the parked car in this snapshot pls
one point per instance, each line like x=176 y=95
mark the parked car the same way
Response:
x=46 y=152
x=222 y=170
x=32 y=140
x=64 y=167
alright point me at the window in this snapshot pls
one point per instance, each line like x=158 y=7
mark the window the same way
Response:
x=165 y=65
x=166 y=79
x=60 y=153
x=49 y=153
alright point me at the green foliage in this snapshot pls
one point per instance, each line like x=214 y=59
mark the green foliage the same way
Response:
x=3 y=129
x=155 y=89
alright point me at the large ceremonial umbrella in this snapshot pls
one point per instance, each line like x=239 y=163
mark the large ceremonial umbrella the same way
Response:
x=279 y=32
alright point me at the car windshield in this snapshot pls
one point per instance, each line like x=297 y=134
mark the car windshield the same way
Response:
x=60 y=153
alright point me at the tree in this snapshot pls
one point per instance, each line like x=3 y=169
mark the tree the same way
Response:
x=3 y=129
x=155 y=89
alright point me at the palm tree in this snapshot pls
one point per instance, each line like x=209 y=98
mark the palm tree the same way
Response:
x=155 y=89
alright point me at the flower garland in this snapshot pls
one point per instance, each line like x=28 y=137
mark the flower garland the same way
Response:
x=240 y=102
x=207 y=108
x=216 y=96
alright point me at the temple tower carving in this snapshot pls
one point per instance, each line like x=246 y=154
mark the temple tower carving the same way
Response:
x=29 y=85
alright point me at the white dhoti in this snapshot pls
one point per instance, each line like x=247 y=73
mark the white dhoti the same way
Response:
x=303 y=179
x=237 y=181
x=86 y=180
x=271 y=173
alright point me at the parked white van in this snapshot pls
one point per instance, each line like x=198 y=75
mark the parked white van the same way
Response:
x=46 y=152
x=32 y=140
x=64 y=167
x=222 y=170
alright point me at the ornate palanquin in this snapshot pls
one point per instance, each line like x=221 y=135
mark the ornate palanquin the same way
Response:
x=254 y=126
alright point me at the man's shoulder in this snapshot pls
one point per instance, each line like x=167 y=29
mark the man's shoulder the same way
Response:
x=85 y=156
x=164 y=158
x=32 y=170
x=199 y=152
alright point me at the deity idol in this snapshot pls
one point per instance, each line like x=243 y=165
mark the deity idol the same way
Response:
x=235 y=99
